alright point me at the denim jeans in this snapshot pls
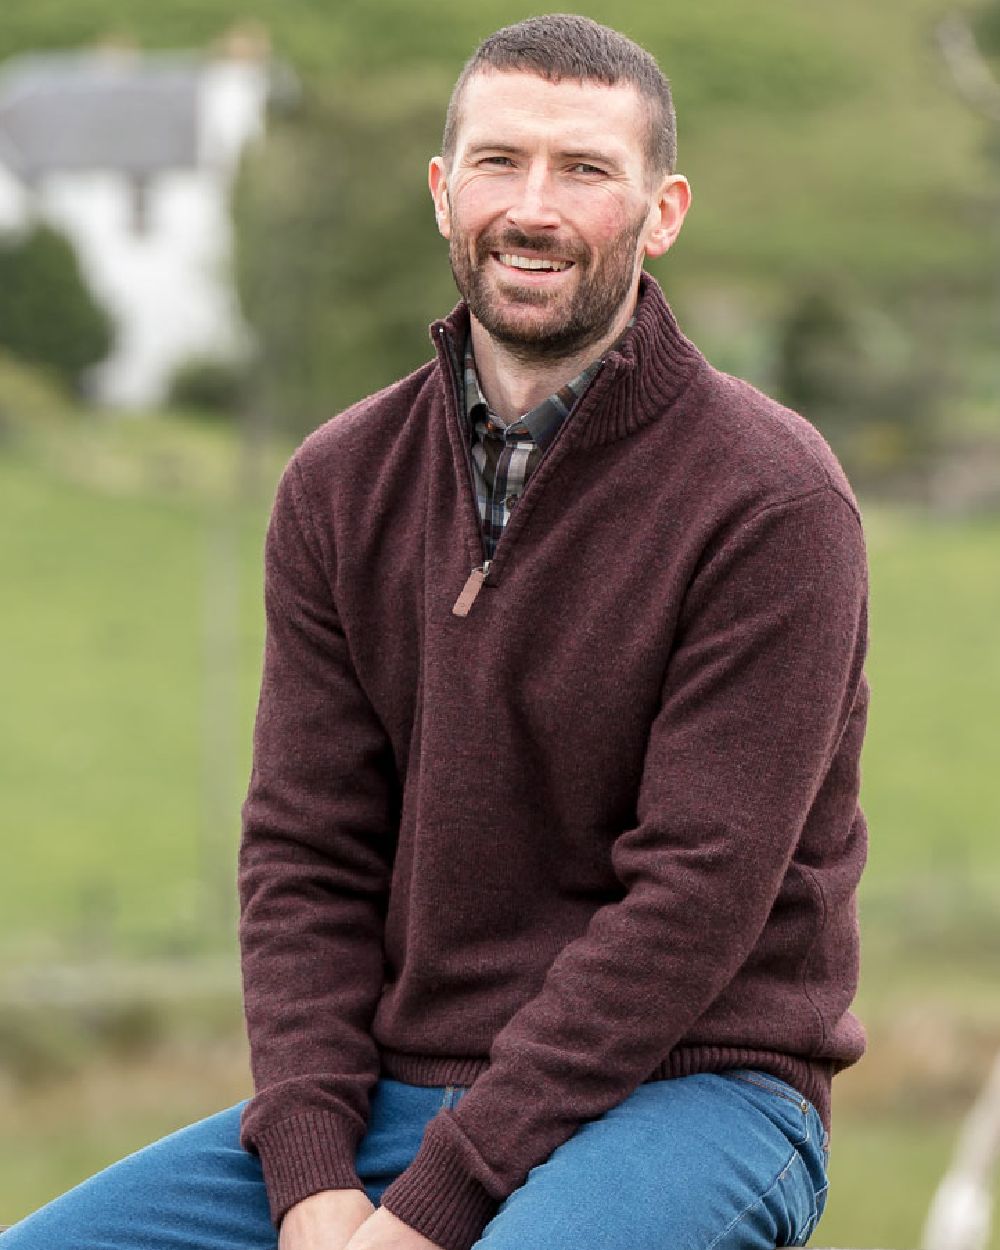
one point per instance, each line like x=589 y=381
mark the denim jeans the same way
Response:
x=708 y=1162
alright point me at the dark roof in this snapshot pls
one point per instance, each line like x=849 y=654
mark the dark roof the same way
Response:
x=98 y=111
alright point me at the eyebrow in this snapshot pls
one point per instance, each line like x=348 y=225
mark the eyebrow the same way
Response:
x=475 y=148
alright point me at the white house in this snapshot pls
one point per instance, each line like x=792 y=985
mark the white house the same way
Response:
x=133 y=156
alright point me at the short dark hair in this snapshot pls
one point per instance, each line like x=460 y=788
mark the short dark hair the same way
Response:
x=564 y=45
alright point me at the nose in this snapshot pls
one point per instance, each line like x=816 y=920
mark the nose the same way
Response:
x=534 y=206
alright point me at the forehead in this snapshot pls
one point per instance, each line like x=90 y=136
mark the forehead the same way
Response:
x=517 y=108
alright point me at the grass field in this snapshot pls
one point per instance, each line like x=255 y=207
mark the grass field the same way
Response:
x=119 y=847
x=110 y=632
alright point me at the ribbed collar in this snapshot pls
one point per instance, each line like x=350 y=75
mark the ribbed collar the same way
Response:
x=639 y=381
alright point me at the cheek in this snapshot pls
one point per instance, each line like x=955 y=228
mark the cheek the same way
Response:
x=603 y=218
x=476 y=206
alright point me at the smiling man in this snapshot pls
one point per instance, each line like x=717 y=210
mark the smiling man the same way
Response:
x=552 y=839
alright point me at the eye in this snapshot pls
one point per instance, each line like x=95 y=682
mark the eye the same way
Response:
x=497 y=162
x=584 y=167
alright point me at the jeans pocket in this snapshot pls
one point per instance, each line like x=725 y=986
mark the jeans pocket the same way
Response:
x=773 y=1084
x=784 y=1106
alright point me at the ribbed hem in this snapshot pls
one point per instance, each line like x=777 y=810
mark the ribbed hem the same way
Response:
x=810 y=1077
x=438 y=1197
x=303 y=1155
x=430 y=1070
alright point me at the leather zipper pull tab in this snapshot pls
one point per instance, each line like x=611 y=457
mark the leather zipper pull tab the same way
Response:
x=472 y=587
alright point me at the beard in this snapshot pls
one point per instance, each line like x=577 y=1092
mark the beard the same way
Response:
x=538 y=325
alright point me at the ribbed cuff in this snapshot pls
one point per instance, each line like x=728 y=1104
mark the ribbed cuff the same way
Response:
x=438 y=1197
x=303 y=1155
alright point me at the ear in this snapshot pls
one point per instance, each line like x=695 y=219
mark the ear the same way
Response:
x=437 y=180
x=673 y=199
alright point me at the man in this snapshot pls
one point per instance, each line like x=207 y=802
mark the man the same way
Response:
x=552 y=839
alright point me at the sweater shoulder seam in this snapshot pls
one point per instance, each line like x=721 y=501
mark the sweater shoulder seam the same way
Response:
x=789 y=501
x=302 y=503
x=795 y=435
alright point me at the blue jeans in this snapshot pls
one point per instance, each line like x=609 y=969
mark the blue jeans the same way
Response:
x=735 y=1161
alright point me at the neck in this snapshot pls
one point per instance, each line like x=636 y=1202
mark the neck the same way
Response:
x=514 y=384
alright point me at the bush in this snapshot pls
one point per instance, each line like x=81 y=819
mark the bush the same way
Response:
x=208 y=383
x=48 y=316
x=865 y=378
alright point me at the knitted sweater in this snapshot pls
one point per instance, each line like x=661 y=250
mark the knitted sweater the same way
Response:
x=603 y=828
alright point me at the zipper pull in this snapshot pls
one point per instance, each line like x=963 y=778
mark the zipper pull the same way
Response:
x=472 y=587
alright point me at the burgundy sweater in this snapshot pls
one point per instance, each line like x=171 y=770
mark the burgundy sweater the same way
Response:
x=603 y=828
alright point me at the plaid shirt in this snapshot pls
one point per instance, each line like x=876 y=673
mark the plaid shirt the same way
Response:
x=505 y=456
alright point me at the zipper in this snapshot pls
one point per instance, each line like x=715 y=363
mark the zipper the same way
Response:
x=473 y=585
x=477 y=578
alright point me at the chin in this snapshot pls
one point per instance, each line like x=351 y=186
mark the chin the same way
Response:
x=533 y=312
x=525 y=329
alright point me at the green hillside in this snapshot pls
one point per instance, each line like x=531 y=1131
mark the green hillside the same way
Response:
x=124 y=842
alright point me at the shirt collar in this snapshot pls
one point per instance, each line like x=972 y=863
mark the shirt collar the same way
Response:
x=542 y=423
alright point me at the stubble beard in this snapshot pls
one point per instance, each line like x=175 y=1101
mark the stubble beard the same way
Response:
x=588 y=315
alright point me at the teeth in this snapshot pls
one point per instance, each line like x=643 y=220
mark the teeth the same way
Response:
x=532 y=262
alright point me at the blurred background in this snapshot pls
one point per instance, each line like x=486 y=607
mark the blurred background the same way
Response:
x=214 y=234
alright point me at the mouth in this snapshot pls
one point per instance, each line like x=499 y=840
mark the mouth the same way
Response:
x=523 y=263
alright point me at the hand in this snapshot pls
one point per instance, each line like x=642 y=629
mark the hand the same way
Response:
x=324 y=1221
x=384 y=1231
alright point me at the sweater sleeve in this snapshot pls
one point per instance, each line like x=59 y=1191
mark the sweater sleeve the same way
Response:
x=319 y=828
x=764 y=674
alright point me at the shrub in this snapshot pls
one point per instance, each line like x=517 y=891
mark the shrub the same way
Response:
x=48 y=315
x=209 y=384
x=864 y=377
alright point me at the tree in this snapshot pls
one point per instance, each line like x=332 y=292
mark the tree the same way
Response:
x=338 y=263
x=871 y=381
x=48 y=315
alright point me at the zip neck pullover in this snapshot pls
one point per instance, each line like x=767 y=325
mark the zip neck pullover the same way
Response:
x=601 y=829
